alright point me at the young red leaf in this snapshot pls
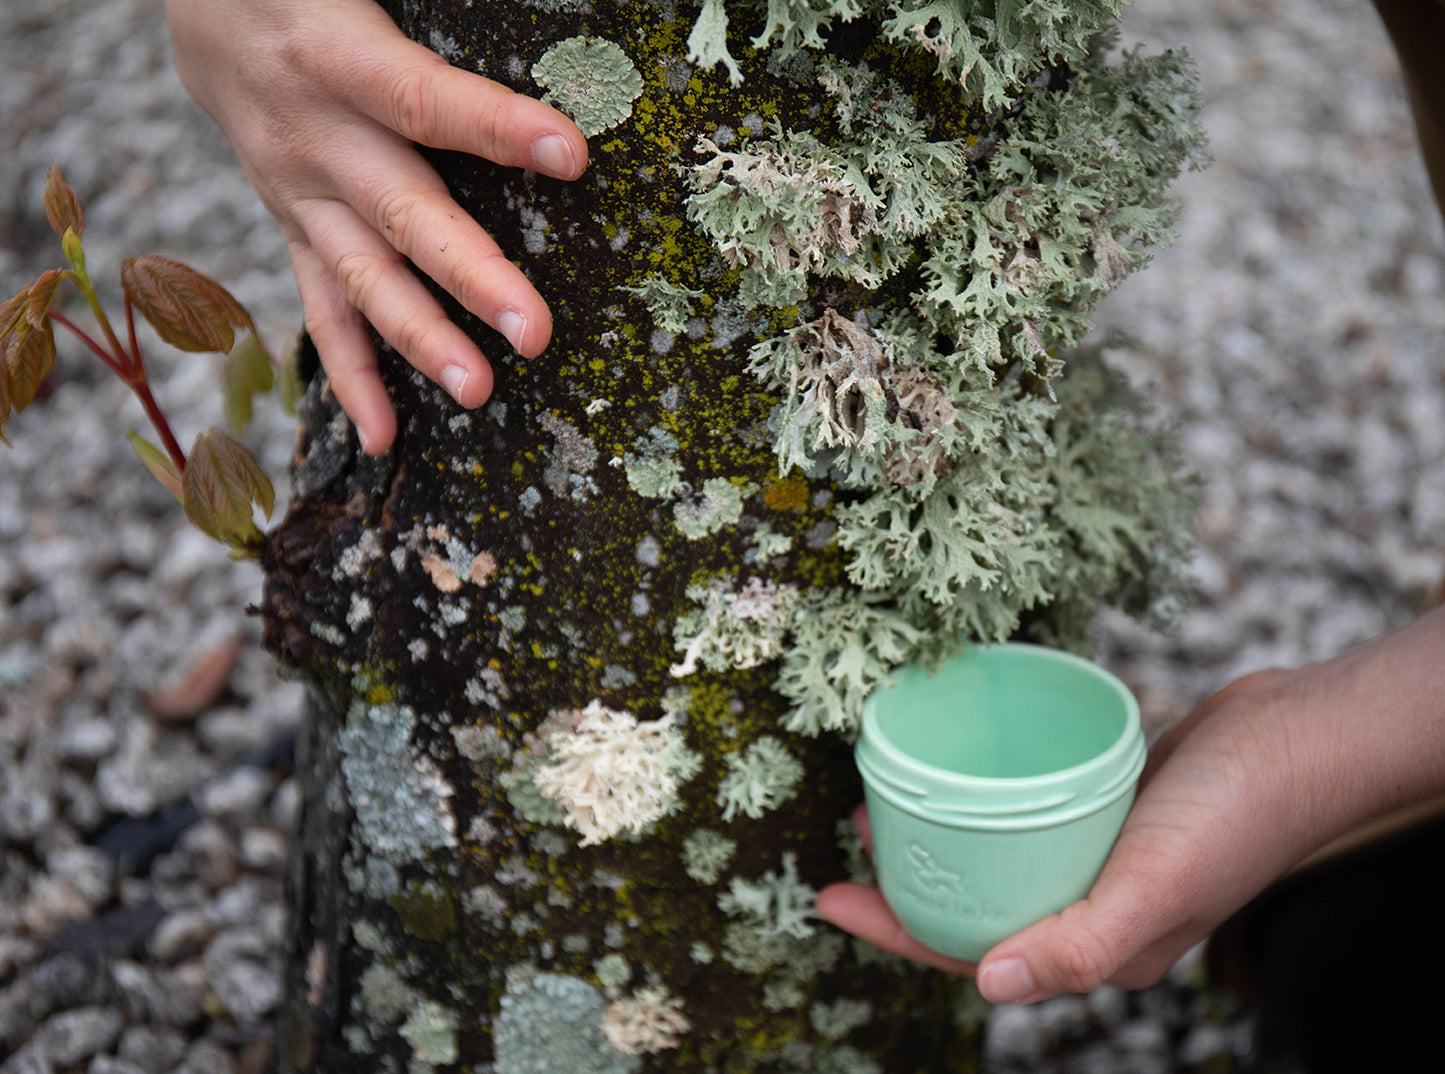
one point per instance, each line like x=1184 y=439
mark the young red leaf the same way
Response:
x=27 y=343
x=222 y=485
x=246 y=372
x=62 y=204
x=187 y=309
x=158 y=463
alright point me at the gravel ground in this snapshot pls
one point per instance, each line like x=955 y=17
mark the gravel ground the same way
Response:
x=1296 y=334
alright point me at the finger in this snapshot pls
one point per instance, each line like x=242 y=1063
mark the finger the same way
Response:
x=424 y=99
x=376 y=281
x=344 y=344
x=405 y=201
x=864 y=826
x=864 y=912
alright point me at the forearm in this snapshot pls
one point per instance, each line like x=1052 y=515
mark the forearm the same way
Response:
x=1380 y=739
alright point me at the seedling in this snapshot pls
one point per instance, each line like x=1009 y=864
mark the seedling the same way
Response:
x=220 y=484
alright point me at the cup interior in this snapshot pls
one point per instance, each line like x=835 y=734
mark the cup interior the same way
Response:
x=1006 y=712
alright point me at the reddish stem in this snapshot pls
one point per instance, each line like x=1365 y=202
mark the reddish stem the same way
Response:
x=130 y=328
x=106 y=357
x=132 y=372
x=153 y=411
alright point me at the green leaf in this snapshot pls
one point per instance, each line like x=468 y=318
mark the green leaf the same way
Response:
x=222 y=485
x=158 y=463
x=290 y=386
x=189 y=310
x=62 y=204
x=245 y=373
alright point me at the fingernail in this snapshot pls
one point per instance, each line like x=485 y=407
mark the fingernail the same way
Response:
x=552 y=154
x=454 y=379
x=1006 y=981
x=361 y=438
x=514 y=326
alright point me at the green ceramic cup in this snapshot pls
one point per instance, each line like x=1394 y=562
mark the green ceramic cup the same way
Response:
x=996 y=787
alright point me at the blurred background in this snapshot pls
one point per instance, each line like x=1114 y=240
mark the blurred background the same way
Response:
x=1295 y=335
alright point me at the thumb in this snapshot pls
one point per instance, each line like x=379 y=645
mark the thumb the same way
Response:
x=1102 y=939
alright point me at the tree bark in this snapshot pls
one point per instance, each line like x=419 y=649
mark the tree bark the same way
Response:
x=462 y=603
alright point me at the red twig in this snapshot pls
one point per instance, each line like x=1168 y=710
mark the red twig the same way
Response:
x=130 y=328
x=153 y=411
x=104 y=355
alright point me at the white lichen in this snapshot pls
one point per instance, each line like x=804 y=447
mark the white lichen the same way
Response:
x=648 y=1021
x=610 y=772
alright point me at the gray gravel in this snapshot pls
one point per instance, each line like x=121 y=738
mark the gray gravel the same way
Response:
x=1296 y=334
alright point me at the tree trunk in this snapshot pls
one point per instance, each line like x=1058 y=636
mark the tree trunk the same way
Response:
x=562 y=812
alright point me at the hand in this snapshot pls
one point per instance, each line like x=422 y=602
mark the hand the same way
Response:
x=323 y=100
x=1267 y=770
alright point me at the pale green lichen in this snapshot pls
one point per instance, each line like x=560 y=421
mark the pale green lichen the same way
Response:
x=767 y=545
x=431 y=1030
x=384 y=995
x=836 y=1020
x=760 y=778
x=398 y=795
x=719 y=505
x=612 y=971
x=734 y=629
x=772 y=933
x=670 y=304
x=591 y=79
x=706 y=854
x=653 y=470
x=943 y=418
x=550 y=1022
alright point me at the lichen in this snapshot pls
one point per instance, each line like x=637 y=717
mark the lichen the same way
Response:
x=734 y=629
x=591 y=79
x=610 y=772
x=648 y=1021
x=551 y=1022
x=431 y=1030
x=762 y=777
x=399 y=796
x=706 y=853
x=670 y=304
x=719 y=505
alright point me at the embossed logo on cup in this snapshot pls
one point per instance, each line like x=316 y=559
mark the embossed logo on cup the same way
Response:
x=942 y=889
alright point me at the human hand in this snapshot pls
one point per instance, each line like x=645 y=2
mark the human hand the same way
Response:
x=323 y=100
x=1269 y=769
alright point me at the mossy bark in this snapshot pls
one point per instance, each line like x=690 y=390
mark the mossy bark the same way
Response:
x=494 y=569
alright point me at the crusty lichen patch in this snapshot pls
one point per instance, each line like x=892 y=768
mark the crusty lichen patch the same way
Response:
x=591 y=79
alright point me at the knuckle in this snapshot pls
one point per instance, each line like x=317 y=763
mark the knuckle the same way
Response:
x=359 y=274
x=1083 y=960
x=410 y=337
x=412 y=100
x=398 y=213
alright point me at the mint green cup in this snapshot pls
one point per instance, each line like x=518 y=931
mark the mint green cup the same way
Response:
x=996 y=787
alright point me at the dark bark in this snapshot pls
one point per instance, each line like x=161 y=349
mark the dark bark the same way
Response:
x=405 y=941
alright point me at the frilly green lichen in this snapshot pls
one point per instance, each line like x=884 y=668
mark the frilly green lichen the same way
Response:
x=706 y=854
x=943 y=416
x=760 y=778
x=591 y=79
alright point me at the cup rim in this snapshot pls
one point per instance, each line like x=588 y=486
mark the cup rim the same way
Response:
x=1079 y=788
